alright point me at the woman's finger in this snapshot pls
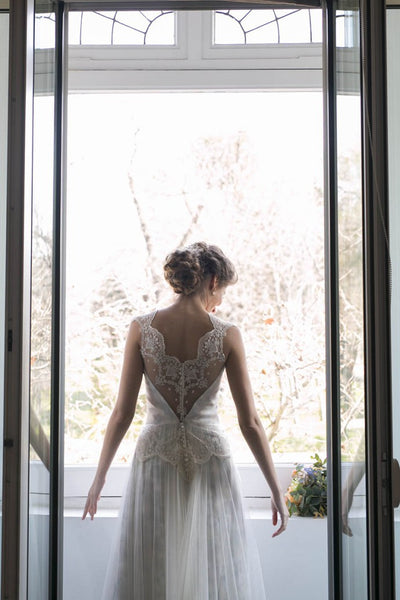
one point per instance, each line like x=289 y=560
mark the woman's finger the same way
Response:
x=86 y=509
x=93 y=509
x=90 y=507
x=279 y=531
x=282 y=527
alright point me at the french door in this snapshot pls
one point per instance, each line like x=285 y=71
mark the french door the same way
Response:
x=360 y=517
x=393 y=87
x=345 y=355
x=33 y=453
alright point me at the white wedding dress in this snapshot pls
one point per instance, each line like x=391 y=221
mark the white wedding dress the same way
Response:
x=181 y=531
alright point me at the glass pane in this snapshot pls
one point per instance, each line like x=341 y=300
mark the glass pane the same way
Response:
x=351 y=316
x=393 y=83
x=133 y=28
x=161 y=31
x=167 y=179
x=227 y=29
x=295 y=28
x=41 y=299
x=171 y=180
x=44 y=31
x=265 y=26
x=347 y=33
x=145 y=176
x=4 y=29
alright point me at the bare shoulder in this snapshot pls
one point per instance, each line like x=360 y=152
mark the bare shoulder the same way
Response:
x=134 y=327
x=232 y=338
x=134 y=332
x=233 y=334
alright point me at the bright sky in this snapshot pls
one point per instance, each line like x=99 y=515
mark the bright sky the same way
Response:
x=284 y=130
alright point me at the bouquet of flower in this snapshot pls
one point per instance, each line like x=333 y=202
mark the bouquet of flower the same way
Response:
x=307 y=494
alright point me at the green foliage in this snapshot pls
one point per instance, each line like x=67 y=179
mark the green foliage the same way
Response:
x=307 y=494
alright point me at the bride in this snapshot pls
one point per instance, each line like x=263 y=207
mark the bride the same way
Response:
x=182 y=533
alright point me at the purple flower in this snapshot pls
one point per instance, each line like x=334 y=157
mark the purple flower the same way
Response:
x=310 y=472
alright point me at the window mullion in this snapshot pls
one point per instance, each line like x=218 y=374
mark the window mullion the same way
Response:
x=195 y=39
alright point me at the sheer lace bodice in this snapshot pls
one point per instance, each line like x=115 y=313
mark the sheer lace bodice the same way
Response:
x=182 y=424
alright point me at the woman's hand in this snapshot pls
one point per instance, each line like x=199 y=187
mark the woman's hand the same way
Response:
x=347 y=501
x=92 y=499
x=279 y=507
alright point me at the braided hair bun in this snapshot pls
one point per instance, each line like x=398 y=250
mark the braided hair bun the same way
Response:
x=185 y=269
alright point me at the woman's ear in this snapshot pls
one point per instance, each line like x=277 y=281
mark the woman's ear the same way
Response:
x=213 y=283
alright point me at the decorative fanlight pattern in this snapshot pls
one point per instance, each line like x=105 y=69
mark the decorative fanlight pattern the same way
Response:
x=230 y=27
x=267 y=26
x=112 y=28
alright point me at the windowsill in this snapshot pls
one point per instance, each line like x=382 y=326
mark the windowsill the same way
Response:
x=252 y=514
x=77 y=480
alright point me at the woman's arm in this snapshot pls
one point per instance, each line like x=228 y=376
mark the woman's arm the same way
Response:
x=39 y=440
x=121 y=416
x=250 y=423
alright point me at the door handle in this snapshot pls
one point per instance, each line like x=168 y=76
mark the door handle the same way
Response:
x=395 y=483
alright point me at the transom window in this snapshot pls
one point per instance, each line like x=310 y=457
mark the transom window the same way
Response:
x=225 y=27
x=267 y=26
x=138 y=27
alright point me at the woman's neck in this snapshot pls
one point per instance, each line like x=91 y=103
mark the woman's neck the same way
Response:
x=192 y=303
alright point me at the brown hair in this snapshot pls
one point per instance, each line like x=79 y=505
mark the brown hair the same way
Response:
x=185 y=269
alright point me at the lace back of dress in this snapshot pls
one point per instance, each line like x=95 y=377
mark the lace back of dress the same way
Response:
x=182 y=383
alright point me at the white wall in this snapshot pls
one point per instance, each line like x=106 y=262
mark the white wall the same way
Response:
x=294 y=564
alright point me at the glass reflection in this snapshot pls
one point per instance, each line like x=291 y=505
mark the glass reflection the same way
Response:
x=354 y=541
x=41 y=317
x=393 y=90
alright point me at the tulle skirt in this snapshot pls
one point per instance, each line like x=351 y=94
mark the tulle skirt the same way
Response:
x=183 y=540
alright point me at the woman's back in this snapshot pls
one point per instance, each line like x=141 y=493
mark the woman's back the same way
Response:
x=182 y=328
x=182 y=372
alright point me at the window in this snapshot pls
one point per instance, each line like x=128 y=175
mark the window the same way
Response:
x=267 y=26
x=148 y=172
x=139 y=27
x=169 y=169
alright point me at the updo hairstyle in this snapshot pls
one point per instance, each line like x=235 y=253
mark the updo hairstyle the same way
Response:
x=185 y=269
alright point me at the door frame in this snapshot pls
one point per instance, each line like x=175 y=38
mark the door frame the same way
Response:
x=376 y=299
x=377 y=285
x=58 y=318
x=17 y=303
